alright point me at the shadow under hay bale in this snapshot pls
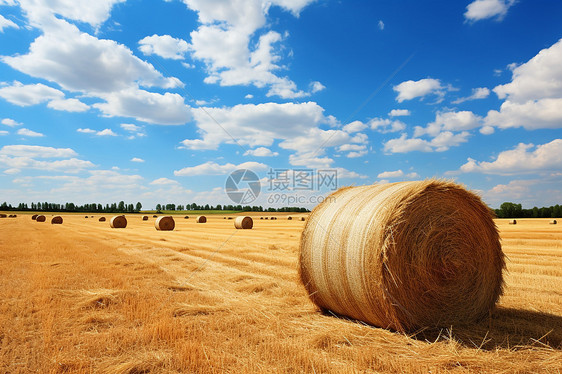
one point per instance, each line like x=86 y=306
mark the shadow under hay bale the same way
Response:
x=118 y=222
x=41 y=218
x=102 y=219
x=56 y=220
x=426 y=253
x=165 y=223
x=244 y=222
x=201 y=219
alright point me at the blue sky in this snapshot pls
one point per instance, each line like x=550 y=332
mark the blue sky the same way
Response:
x=158 y=101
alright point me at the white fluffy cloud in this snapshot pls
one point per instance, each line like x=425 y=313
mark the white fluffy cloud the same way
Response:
x=397 y=174
x=29 y=157
x=409 y=90
x=6 y=23
x=483 y=9
x=477 y=94
x=255 y=125
x=212 y=168
x=30 y=133
x=10 y=122
x=533 y=98
x=137 y=159
x=449 y=121
x=261 y=152
x=399 y=113
x=29 y=94
x=164 y=46
x=223 y=42
x=68 y=105
x=106 y=132
x=525 y=158
x=386 y=125
x=440 y=143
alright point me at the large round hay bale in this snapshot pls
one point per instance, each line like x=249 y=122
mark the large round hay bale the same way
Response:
x=34 y=217
x=40 y=218
x=513 y=222
x=201 y=219
x=553 y=222
x=244 y=222
x=165 y=223
x=56 y=220
x=145 y=218
x=403 y=255
x=102 y=219
x=118 y=222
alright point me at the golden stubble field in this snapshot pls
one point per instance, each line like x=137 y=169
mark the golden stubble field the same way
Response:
x=81 y=297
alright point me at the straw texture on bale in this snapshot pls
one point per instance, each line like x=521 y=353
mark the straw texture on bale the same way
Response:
x=201 y=219
x=513 y=222
x=41 y=218
x=244 y=222
x=102 y=219
x=34 y=217
x=118 y=222
x=553 y=222
x=56 y=220
x=165 y=223
x=403 y=255
x=145 y=218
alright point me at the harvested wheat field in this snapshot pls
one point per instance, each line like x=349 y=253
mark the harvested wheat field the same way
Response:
x=82 y=297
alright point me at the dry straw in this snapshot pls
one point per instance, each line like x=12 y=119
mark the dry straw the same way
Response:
x=145 y=218
x=403 y=255
x=102 y=219
x=201 y=219
x=56 y=220
x=553 y=222
x=41 y=218
x=165 y=223
x=244 y=222
x=513 y=222
x=118 y=222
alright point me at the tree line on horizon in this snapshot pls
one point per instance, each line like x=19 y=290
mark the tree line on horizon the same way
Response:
x=513 y=210
x=122 y=207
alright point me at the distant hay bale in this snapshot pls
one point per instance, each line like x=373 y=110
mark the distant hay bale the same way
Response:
x=290 y=218
x=165 y=223
x=244 y=222
x=41 y=218
x=553 y=222
x=186 y=217
x=266 y=217
x=274 y=218
x=34 y=217
x=223 y=217
x=56 y=220
x=102 y=219
x=118 y=222
x=145 y=218
x=403 y=255
x=513 y=222
x=86 y=217
x=2 y=215
x=229 y=217
x=201 y=219
x=261 y=217
x=155 y=216
x=303 y=219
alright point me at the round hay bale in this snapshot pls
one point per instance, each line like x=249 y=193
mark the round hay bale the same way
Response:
x=2 y=215
x=261 y=217
x=102 y=219
x=145 y=218
x=244 y=222
x=40 y=218
x=201 y=219
x=34 y=217
x=186 y=217
x=165 y=223
x=290 y=218
x=86 y=217
x=513 y=222
x=553 y=222
x=155 y=216
x=118 y=222
x=403 y=255
x=223 y=217
x=303 y=219
x=56 y=220
x=266 y=217
x=274 y=218
x=229 y=217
